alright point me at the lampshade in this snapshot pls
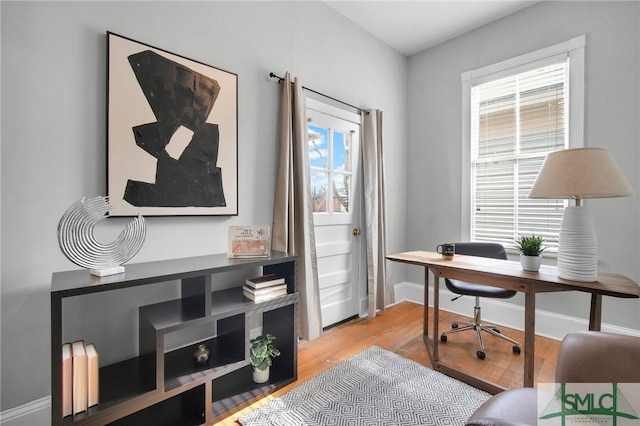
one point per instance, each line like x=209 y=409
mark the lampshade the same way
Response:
x=580 y=173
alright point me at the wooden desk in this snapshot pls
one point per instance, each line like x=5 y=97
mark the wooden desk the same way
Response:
x=507 y=274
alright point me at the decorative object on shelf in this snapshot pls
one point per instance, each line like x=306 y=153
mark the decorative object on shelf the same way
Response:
x=67 y=380
x=249 y=241
x=262 y=281
x=79 y=389
x=531 y=248
x=93 y=375
x=184 y=162
x=577 y=174
x=201 y=355
x=261 y=354
x=79 y=245
x=264 y=294
x=80 y=377
x=264 y=287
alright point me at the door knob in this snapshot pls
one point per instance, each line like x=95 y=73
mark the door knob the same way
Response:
x=356 y=231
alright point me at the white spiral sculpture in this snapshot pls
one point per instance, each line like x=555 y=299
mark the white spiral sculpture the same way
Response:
x=79 y=245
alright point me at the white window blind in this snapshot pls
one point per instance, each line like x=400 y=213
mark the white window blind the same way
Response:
x=515 y=122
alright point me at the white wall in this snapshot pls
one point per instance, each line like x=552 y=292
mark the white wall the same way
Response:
x=612 y=111
x=53 y=141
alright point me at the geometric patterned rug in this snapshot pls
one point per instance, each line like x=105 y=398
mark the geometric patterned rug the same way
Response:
x=373 y=387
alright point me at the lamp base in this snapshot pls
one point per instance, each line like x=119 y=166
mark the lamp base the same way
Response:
x=578 y=246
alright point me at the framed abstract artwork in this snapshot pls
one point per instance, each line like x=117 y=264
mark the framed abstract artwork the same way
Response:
x=172 y=133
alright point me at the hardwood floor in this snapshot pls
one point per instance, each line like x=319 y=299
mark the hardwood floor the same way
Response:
x=399 y=329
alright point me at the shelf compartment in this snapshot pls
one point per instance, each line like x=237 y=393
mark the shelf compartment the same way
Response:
x=123 y=380
x=119 y=382
x=175 y=314
x=77 y=282
x=171 y=369
x=226 y=353
x=232 y=301
x=187 y=408
x=237 y=390
x=286 y=337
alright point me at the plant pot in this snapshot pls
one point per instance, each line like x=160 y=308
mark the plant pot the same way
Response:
x=261 y=376
x=530 y=263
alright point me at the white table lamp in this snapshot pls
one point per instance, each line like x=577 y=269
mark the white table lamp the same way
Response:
x=576 y=174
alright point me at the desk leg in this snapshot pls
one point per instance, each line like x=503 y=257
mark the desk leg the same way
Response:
x=595 y=314
x=436 y=315
x=529 y=337
x=425 y=320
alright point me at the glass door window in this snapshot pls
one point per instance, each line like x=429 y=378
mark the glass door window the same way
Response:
x=330 y=158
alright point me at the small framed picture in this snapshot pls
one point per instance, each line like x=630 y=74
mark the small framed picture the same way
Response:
x=249 y=241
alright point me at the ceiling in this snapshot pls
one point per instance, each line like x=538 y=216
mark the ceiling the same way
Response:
x=412 y=26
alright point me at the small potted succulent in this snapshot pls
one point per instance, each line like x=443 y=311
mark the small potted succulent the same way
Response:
x=261 y=354
x=531 y=248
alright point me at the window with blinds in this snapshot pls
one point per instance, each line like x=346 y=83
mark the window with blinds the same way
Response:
x=515 y=122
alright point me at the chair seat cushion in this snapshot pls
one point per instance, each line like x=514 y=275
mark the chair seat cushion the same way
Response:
x=514 y=406
x=471 y=289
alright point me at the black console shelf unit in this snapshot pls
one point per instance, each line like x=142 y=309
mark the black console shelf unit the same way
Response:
x=165 y=387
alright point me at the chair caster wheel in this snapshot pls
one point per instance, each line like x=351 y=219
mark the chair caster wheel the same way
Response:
x=443 y=338
x=496 y=330
x=454 y=325
x=516 y=349
x=481 y=355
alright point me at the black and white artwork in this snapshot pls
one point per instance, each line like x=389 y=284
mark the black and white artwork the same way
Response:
x=172 y=133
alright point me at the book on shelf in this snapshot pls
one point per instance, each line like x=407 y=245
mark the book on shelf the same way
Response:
x=92 y=375
x=80 y=376
x=266 y=290
x=264 y=296
x=79 y=372
x=67 y=375
x=262 y=281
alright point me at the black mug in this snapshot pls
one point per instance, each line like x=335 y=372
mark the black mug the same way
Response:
x=446 y=250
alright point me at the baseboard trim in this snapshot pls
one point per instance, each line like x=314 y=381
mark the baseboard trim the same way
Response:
x=34 y=413
x=548 y=324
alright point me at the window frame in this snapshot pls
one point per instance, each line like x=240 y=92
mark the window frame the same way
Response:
x=573 y=50
x=330 y=169
x=350 y=119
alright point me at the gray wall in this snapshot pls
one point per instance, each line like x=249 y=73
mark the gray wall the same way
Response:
x=53 y=142
x=612 y=112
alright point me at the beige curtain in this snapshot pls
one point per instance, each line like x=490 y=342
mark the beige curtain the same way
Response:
x=293 y=230
x=379 y=285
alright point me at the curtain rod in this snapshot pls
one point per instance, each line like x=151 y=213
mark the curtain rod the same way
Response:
x=272 y=75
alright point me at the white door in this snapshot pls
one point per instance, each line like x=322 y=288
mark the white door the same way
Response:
x=334 y=153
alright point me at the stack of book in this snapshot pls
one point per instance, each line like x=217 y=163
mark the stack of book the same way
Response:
x=264 y=287
x=79 y=377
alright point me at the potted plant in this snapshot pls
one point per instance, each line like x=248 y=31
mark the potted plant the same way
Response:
x=530 y=247
x=261 y=354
